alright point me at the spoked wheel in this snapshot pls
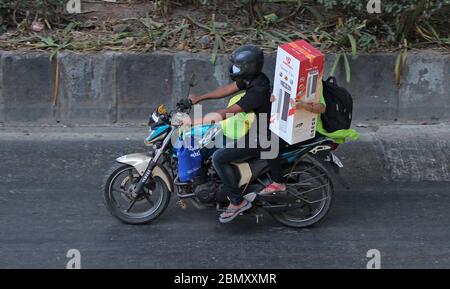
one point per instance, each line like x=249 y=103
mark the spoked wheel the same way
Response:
x=311 y=191
x=134 y=208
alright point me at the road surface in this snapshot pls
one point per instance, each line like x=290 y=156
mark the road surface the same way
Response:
x=50 y=202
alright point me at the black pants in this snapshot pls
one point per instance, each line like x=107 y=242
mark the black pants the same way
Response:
x=276 y=171
x=222 y=160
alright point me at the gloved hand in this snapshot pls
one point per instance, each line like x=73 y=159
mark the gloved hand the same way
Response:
x=193 y=98
x=184 y=104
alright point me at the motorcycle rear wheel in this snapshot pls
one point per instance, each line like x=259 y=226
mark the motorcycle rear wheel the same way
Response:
x=302 y=181
x=116 y=192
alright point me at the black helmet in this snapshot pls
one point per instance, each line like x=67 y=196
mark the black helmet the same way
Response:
x=246 y=62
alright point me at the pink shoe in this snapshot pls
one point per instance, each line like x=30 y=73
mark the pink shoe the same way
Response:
x=273 y=188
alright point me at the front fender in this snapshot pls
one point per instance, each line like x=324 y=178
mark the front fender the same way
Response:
x=140 y=162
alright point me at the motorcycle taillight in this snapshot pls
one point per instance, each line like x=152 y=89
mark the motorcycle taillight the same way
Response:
x=334 y=146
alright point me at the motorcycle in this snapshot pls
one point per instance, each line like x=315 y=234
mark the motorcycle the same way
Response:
x=139 y=186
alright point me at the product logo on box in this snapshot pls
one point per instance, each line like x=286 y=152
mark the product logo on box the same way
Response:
x=287 y=61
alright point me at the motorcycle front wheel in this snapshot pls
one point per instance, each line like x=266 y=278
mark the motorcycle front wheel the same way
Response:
x=134 y=209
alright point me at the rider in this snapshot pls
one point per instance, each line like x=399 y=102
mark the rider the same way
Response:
x=246 y=72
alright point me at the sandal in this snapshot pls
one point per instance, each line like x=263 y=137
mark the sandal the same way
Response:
x=271 y=189
x=225 y=218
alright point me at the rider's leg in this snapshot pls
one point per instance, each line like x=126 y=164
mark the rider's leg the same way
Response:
x=222 y=160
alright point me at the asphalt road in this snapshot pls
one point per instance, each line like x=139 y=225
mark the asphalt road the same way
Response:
x=50 y=202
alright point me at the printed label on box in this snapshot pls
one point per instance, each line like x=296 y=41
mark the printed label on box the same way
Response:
x=298 y=75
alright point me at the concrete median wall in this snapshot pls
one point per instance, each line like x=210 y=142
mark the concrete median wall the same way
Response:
x=103 y=88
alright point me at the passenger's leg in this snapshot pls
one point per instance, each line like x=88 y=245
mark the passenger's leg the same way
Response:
x=276 y=173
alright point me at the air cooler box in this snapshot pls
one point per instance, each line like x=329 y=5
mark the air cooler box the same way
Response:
x=298 y=73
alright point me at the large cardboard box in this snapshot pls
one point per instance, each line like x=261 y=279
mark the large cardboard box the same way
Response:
x=298 y=75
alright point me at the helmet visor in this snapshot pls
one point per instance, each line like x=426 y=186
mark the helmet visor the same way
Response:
x=235 y=69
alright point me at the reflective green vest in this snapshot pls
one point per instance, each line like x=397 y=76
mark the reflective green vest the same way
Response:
x=239 y=124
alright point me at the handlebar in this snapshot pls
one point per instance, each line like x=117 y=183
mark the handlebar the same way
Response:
x=184 y=104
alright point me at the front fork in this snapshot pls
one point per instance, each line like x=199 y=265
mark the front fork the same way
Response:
x=137 y=189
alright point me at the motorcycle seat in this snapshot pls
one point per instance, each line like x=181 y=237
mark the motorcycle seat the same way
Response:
x=250 y=170
x=258 y=167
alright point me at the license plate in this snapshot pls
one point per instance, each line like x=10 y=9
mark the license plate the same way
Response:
x=336 y=160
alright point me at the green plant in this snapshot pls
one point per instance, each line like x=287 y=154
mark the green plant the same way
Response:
x=400 y=63
x=55 y=46
x=341 y=26
x=50 y=43
x=215 y=30
x=348 y=36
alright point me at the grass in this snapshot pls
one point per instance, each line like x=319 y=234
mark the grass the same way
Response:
x=226 y=25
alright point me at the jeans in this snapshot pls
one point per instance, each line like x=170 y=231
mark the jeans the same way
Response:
x=222 y=160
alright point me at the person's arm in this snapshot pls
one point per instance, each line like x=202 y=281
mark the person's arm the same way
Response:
x=308 y=106
x=220 y=92
x=219 y=115
x=311 y=107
